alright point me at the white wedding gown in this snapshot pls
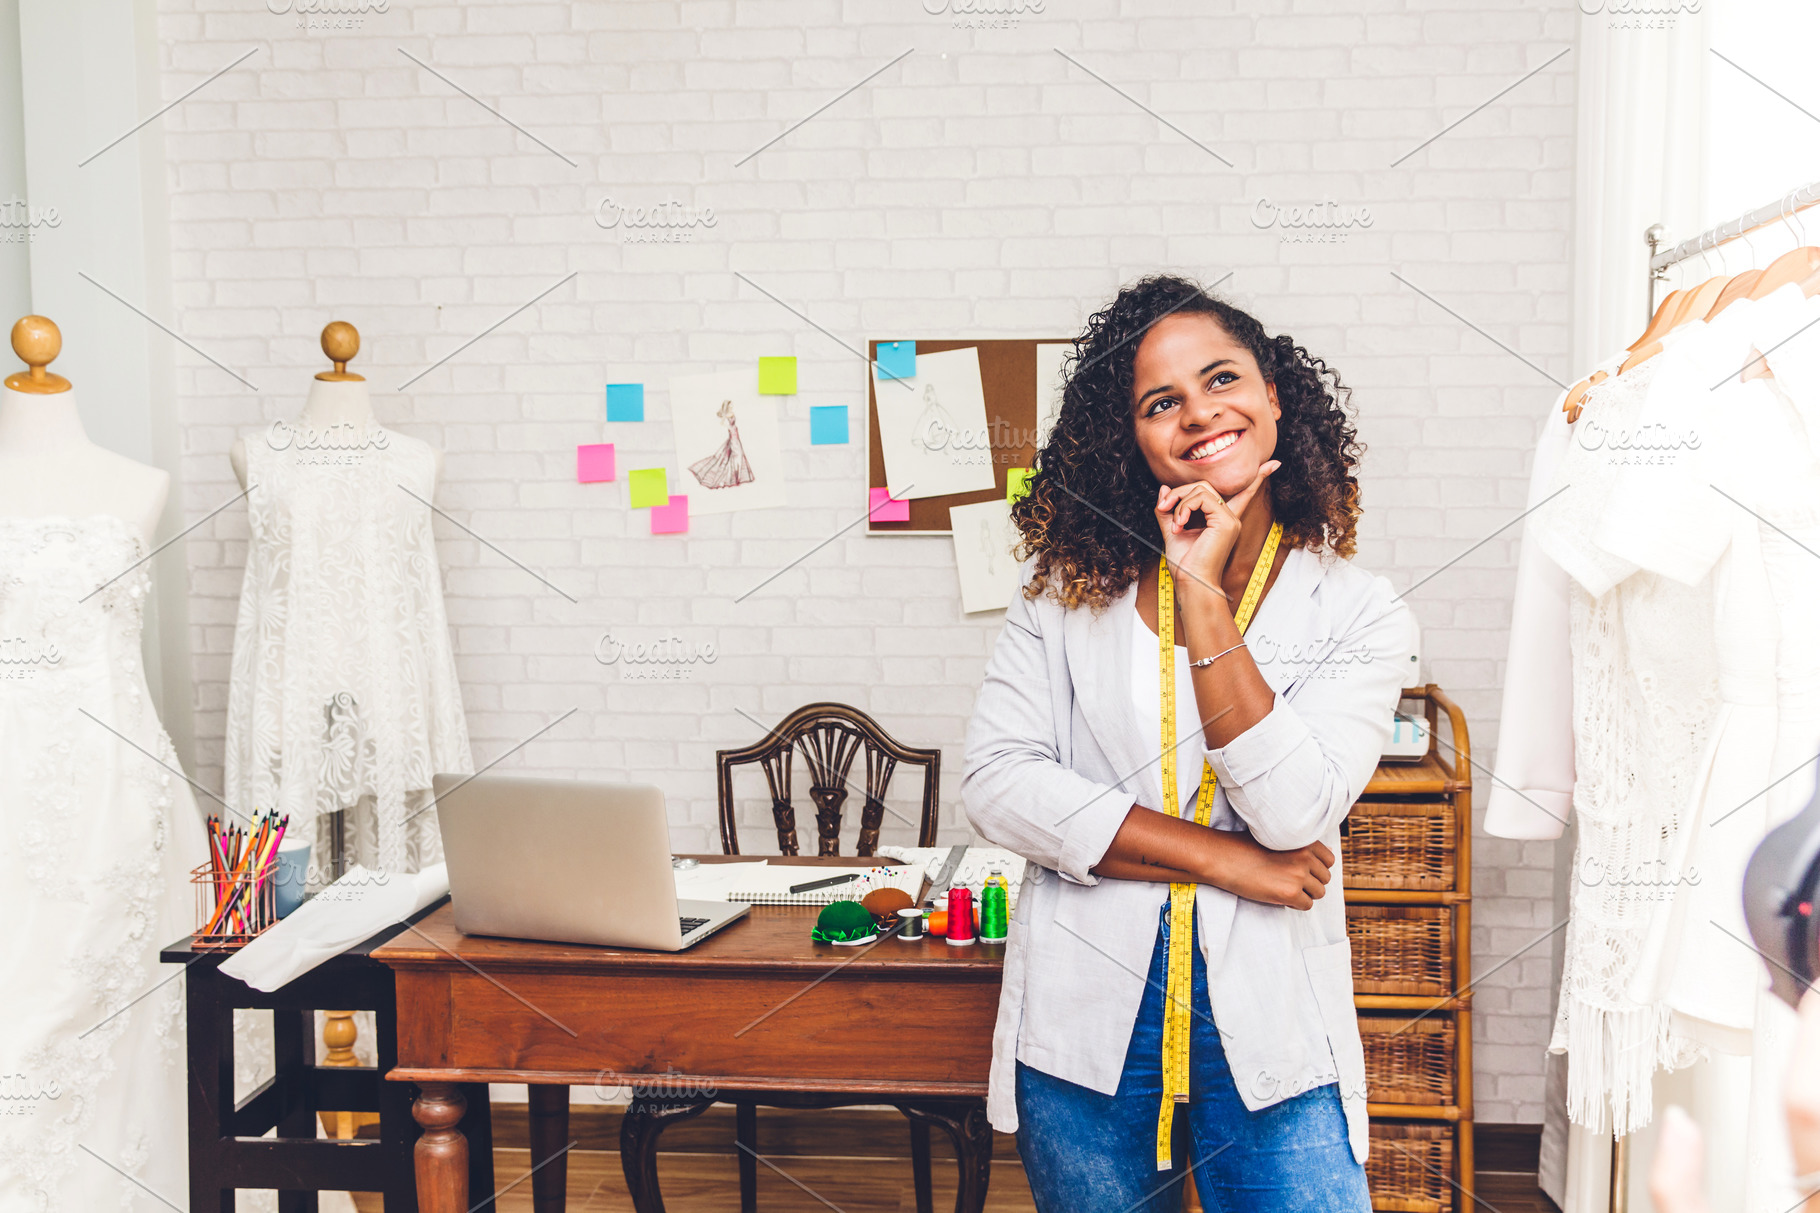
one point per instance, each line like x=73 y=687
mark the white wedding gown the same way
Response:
x=97 y=834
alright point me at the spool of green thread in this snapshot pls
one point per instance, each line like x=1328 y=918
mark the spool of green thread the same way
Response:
x=995 y=909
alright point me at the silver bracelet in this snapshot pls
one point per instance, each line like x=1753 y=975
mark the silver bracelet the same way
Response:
x=1195 y=665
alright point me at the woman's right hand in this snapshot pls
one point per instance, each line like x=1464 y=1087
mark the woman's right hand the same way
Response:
x=1296 y=879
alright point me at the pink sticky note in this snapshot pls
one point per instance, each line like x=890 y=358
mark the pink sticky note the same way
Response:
x=886 y=508
x=594 y=462
x=670 y=519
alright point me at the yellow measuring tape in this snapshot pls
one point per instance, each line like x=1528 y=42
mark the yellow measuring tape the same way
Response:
x=1178 y=988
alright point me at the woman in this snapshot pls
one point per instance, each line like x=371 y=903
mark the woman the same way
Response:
x=1185 y=433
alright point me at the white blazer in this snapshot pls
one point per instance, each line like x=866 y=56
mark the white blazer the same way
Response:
x=1055 y=759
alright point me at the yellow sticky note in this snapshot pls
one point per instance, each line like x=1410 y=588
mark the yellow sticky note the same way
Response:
x=1017 y=483
x=777 y=376
x=650 y=486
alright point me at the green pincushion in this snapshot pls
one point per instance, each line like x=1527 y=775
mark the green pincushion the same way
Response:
x=843 y=922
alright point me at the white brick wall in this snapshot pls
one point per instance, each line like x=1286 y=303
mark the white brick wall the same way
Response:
x=983 y=186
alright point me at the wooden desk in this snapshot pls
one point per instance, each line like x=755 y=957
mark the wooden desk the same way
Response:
x=757 y=1006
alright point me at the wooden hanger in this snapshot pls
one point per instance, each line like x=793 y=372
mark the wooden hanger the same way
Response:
x=1699 y=301
x=37 y=341
x=1739 y=288
x=1795 y=265
x=1810 y=285
x=1658 y=324
x=340 y=341
x=1574 y=398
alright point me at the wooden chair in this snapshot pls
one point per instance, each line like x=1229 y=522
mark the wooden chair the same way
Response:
x=829 y=736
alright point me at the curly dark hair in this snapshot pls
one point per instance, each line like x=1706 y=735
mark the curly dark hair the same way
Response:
x=1087 y=555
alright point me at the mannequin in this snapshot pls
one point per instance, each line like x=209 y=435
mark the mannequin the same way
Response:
x=48 y=464
x=337 y=397
x=98 y=829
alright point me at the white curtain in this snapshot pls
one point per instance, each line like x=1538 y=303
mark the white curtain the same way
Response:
x=1639 y=160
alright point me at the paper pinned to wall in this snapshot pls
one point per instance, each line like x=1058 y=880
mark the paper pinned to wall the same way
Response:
x=727 y=443
x=828 y=425
x=935 y=438
x=625 y=402
x=983 y=541
x=647 y=487
x=897 y=359
x=594 y=462
x=671 y=519
x=1050 y=360
x=886 y=508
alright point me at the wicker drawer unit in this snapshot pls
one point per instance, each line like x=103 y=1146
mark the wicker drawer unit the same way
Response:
x=1409 y=1060
x=1405 y=950
x=1399 y=844
x=1406 y=859
x=1411 y=1168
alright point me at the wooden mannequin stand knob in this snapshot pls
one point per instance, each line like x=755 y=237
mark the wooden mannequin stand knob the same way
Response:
x=340 y=341
x=37 y=341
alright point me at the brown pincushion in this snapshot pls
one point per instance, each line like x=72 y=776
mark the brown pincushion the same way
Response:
x=885 y=905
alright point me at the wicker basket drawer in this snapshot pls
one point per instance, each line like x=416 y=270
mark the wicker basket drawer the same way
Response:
x=1402 y=950
x=1411 y=1167
x=1399 y=844
x=1409 y=1060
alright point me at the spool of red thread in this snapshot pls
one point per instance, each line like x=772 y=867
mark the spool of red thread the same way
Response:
x=960 y=916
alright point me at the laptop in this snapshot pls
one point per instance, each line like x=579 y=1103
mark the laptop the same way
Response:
x=567 y=862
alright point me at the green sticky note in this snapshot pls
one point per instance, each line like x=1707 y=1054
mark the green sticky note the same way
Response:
x=650 y=486
x=1017 y=483
x=777 y=376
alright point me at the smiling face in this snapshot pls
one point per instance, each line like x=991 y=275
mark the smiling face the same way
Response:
x=1201 y=409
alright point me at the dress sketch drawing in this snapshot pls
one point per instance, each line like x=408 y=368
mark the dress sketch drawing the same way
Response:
x=933 y=425
x=990 y=545
x=728 y=465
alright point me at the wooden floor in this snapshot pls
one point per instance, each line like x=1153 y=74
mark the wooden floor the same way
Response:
x=857 y=1161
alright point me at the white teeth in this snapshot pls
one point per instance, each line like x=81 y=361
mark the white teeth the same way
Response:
x=1215 y=446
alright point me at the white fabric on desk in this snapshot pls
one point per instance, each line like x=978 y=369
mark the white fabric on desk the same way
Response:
x=355 y=907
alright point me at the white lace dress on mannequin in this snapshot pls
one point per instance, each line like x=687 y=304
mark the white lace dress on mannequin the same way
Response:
x=343 y=692
x=97 y=834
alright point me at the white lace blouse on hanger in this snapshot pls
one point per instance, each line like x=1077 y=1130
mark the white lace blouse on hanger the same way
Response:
x=343 y=690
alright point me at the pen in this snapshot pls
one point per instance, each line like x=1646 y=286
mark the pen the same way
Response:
x=822 y=884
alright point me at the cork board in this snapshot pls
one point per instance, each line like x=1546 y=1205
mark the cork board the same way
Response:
x=1008 y=381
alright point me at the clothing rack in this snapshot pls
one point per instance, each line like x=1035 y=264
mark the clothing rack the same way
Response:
x=1797 y=199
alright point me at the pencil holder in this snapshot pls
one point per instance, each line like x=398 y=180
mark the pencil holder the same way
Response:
x=233 y=909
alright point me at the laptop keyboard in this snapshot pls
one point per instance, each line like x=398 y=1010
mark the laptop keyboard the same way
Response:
x=689 y=924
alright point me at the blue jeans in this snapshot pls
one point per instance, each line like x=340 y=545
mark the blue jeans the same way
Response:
x=1090 y=1153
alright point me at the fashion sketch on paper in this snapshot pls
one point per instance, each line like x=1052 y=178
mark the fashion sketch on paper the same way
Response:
x=933 y=425
x=727 y=466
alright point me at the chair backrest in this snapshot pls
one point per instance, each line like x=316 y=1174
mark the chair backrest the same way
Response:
x=829 y=736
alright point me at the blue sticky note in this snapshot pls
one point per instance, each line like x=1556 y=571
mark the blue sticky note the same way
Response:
x=625 y=402
x=897 y=360
x=828 y=424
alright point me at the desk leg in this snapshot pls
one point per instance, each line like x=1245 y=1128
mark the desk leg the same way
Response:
x=964 y=1120
x=638 y=1134
x=441 y=1154
x=549 y=1116
x=919 y=1166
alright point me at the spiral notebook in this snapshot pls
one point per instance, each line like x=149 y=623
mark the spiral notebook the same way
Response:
x=770 y=885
